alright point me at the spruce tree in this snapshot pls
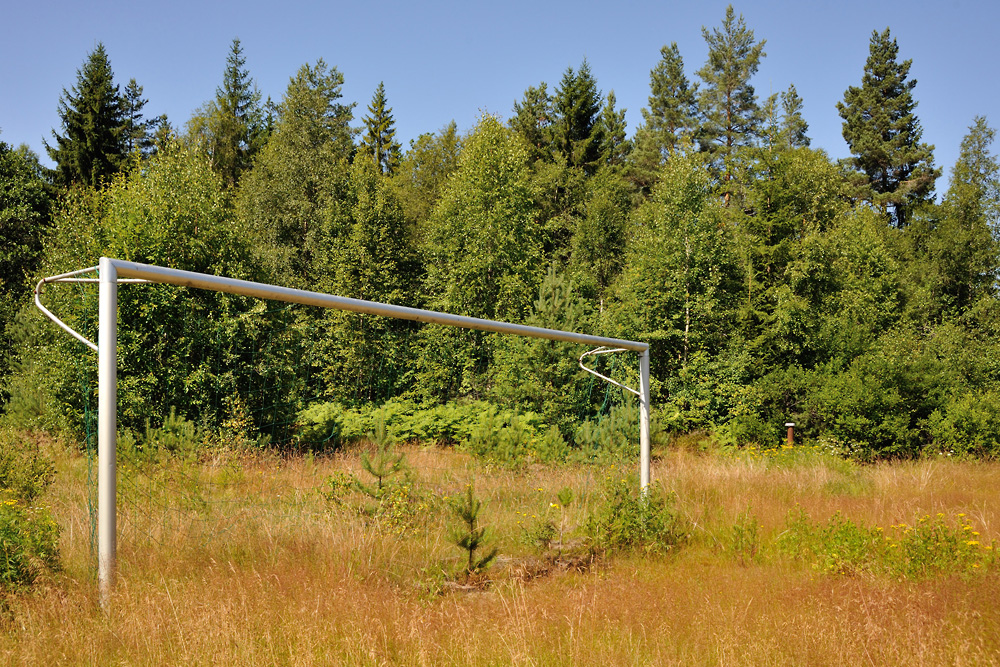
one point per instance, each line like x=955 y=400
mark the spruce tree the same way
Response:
x=379 y=139
x=139 y=134
x=731 y=115
x=793 y=125
x=673 y=108
x=235 y=123
x=884 y=134
x=533 y=119
x=577 y=105
x=611 y=130
x=91 y=148
x=668 y=123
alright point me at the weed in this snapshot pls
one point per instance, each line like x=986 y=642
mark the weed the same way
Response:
x=28 y=534
x=931 y=546
x=746 y=537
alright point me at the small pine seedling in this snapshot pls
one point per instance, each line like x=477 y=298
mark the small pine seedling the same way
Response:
x=384 y=462
x=468 y=536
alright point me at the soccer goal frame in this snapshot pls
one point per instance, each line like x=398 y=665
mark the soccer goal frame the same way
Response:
x=112 y=272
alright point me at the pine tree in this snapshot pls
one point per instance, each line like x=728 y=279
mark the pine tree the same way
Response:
x=469 y=536
x=91 y=148
x=425 y=170
x=379 y=139
x=731 y=114
x=793 y=125
x=577 y=105
x=974 y=190
x=964 y=254
x=884 y=134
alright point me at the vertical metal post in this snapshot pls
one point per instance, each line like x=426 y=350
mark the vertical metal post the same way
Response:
x=644 y=447
x=107 y=426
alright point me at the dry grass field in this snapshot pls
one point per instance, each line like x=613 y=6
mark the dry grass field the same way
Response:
x=277 y=561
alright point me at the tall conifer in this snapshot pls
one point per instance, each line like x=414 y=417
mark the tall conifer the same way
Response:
x=91 y=148
x=577 y=105
x=884 y=134
x=237 y=126
x=731 y=115
x=379 y=139
x=793 y=125
x=673 y=107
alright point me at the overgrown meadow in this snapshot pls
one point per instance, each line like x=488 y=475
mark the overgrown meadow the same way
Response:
x=787 y=555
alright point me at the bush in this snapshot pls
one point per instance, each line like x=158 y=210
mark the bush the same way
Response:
x=969 y=424
x=28 y=535
x=626 y=520
x=931 y=546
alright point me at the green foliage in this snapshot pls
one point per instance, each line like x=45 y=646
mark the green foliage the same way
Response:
x=610 y=437
x=333 y=424
x=231 y=128
x=543 y=376
x=92 y=147
x=287 y=202
x=176 y=436
x=727 y=100
x=384 y=463
x=746 y=538
x=577 y=106
x=680 y=278
x=25 y=216
x=533 y=119
x=29 y=537
x=378 y=143
x=482 y=256
x=183 y=349
x=930 y=547
x=425 y=170
x=510 y=439
x=670 y=119
x=967 y=424
x=884 y=133
x=626 y=520
x=372 y=260
x=469 y=535
x=612 y=129
x=793 y=125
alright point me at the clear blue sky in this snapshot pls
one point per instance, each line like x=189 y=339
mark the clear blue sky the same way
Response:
x=454 y=60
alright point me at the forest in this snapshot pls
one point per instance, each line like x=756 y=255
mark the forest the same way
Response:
x=857 y=298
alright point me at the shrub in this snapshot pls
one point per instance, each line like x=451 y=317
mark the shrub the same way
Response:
x=969 y=424
x=626 y=520
x=931 y=546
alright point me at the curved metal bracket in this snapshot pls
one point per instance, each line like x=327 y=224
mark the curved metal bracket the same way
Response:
x=69 y=278
x=605 y=350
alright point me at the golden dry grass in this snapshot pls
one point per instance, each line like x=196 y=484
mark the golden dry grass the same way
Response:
x=267 y=571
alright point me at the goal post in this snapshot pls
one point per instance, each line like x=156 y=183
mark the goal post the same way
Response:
x=111 y=272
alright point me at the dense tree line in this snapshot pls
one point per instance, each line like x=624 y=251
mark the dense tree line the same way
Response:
x=772 y=283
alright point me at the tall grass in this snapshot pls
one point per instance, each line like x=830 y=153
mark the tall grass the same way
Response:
x=258 y=566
